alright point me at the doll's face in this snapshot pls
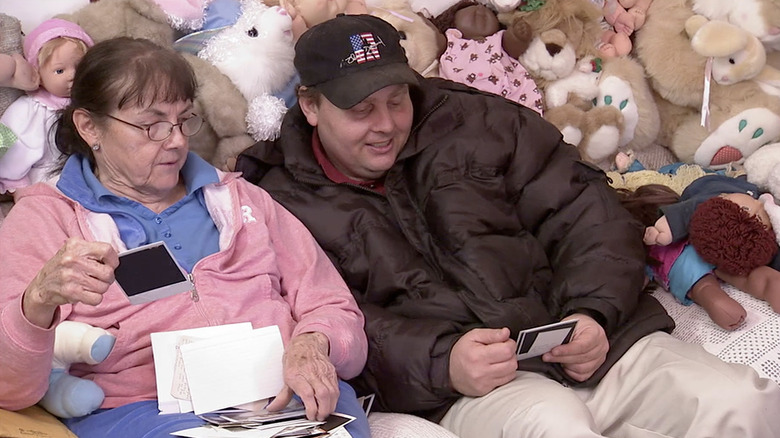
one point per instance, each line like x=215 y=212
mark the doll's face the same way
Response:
x=476 y=21
x=753 y=206
x=57 y=72
x=318 y=11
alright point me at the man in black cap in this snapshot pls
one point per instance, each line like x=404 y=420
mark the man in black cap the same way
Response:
x=458 y=219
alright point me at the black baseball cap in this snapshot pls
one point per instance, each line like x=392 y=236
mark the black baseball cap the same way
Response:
x=350 y=57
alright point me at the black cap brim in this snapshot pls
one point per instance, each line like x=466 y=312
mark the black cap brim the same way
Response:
x=347 y=91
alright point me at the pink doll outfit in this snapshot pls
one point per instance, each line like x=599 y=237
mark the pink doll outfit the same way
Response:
x=483 y=64
x=31 y=117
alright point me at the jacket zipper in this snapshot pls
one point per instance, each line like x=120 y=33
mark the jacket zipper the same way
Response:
x=194 y=292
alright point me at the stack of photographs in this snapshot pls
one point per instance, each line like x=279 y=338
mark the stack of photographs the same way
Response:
x=290 y=422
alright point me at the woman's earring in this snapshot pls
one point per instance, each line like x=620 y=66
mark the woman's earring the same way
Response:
x=95 y=147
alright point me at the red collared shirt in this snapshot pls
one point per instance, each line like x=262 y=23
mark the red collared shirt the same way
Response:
x=334 y=174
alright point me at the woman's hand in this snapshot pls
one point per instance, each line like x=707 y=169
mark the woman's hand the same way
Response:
x=586 y=351
x=80 y=272
x=309 y=373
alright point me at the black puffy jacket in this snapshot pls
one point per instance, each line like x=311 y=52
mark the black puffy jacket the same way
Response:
x=489 y=220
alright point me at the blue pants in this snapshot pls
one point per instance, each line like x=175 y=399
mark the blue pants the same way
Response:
x=142 y=420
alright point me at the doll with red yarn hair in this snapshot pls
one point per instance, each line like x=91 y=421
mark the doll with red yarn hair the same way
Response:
x=719 y=229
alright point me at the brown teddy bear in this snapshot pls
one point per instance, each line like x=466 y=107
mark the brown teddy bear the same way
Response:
x=224 y=135
x=601 y=109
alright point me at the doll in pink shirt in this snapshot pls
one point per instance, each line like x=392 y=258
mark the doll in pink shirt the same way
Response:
x=480 y=54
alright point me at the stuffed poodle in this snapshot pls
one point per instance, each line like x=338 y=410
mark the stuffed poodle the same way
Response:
x=256 y=53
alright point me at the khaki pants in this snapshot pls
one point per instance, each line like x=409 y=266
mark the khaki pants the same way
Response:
x=661 y=387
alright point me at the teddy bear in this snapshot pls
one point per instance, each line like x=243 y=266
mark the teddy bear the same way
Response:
x=76 y=342
x=763 y=169
x=256 y=53
x=16 y=74
x=223 y=107
x=587 y=101
x=718 y=128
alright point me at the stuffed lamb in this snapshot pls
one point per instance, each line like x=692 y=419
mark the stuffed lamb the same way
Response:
x=256 y=53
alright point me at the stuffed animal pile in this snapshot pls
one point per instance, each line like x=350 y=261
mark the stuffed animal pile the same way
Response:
x=700 y=80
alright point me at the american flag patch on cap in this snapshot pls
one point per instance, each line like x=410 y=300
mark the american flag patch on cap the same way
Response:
x=364 y=47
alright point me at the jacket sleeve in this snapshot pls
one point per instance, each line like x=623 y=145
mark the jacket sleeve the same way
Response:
x=408 y=364
x=593 y=244
x=319 y=298
x=30 y=236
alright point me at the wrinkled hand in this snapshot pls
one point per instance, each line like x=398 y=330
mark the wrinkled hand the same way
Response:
x=481 y=360
x=309 y=373
x=80 y=272
x=586 y=351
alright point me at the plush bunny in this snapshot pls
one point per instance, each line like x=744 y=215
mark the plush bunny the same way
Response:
x=702 y=121
x=76 y=342
x=761 y=18
x=737 y=55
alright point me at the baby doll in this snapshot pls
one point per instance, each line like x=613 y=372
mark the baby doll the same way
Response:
x=621 y=19
x=16 y=72
x=307 y=13
x=54 y=48
x=717 y=224
x=480 y=54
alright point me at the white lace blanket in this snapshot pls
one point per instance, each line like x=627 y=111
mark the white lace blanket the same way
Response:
x=755 y=343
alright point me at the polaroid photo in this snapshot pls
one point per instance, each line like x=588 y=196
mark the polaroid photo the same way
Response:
x=149 y=273
x=539 y=340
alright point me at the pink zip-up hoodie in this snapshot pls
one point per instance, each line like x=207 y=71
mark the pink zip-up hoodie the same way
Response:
x=268 y=271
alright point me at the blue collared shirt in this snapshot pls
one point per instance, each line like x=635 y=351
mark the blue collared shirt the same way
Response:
x=186 y=226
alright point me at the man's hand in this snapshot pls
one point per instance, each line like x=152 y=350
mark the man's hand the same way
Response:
x=481 y=360
x=658 y=234
x=586 y=351
x=309 y=373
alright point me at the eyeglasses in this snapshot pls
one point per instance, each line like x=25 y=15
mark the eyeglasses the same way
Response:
x=159 y=131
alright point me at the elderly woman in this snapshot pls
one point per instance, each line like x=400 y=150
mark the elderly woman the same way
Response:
x=128 y=179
